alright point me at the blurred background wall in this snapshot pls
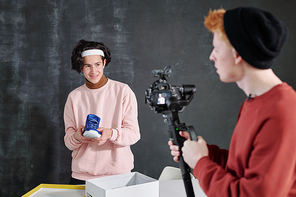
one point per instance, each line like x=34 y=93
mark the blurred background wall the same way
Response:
x=36 y=41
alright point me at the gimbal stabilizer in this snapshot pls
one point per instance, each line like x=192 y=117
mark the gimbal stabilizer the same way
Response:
x=173 y=100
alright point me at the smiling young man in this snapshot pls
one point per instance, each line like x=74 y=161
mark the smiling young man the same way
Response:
x=116 y=105
x=261 y=160
x=93 y=68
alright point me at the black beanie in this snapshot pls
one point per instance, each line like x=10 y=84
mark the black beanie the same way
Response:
x=257 y=35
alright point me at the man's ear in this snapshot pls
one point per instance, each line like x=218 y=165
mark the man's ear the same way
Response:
x=105 y=60
x=236 y=56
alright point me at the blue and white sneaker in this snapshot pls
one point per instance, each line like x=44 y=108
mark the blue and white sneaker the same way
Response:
x=91 y=125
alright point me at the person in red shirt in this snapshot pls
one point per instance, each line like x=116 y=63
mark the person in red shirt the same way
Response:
x=261 y=160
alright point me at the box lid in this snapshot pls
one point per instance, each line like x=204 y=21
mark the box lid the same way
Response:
x=57 y=190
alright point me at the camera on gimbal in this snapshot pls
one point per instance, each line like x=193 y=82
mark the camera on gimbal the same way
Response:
x=163 y=97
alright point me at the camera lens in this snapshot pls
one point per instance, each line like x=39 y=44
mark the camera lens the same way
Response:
x=188 y=89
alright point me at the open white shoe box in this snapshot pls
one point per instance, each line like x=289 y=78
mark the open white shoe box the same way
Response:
x=132 y=184
x=135 y=184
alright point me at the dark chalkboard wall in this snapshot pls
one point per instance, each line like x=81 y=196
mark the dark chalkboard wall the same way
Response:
x=36 y=40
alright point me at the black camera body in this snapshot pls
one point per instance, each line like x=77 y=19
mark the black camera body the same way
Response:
x=163 y=97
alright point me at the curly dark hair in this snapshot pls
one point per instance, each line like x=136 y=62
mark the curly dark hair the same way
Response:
x=82 y=45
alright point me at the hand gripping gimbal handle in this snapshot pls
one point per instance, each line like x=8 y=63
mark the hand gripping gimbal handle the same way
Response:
x=174 y=127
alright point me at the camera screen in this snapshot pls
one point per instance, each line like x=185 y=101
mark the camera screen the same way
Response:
x=160 y=97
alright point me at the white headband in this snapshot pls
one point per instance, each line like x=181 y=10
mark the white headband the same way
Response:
x=92 y=52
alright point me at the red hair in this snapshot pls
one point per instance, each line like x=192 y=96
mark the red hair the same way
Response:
x=214 y=22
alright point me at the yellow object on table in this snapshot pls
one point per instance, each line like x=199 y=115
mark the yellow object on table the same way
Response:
x=52 y=190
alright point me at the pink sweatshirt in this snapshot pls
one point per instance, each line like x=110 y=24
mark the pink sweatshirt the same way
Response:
x=116 y=105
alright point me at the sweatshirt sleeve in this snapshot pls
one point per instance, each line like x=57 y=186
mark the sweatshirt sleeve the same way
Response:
x=218 y=155
x=270 y=170
x=129 y=132
x=70 y=128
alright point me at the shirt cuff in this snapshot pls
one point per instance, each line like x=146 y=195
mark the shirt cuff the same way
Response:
x=203 y=162
x=114 y=135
